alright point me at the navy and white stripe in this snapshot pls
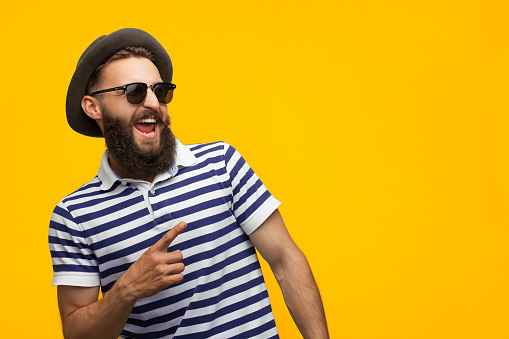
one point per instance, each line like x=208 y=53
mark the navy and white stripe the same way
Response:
x=97 y=232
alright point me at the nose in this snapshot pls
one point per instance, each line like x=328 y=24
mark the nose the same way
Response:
x=151 y=99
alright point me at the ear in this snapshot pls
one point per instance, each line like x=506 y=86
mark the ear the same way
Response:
x=92 y=108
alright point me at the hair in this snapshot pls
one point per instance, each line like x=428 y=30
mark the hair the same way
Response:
x=125 y=53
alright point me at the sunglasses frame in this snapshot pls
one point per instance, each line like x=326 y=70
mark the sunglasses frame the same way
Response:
x=124 y=88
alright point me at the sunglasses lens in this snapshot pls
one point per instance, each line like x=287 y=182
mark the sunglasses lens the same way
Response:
x=164 y=92
x=136 y=93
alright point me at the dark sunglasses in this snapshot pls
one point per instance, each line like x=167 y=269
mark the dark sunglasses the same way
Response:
x=136 y=93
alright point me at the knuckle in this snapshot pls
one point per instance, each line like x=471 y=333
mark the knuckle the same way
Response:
x=181 y=267
x=160 y=270
x=177 y=268
x=172 y=279
x=169 y=235
x=154 y=260
x=179 y=256
x=176 y=278
x=166 y=237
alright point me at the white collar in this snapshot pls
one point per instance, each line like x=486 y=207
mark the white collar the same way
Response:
x=184 y=158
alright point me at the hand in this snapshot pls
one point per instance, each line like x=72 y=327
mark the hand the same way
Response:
x=155 y=270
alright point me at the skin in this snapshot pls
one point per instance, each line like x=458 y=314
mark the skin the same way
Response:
x=293 y=274
x=83 y=316
x=119 y=73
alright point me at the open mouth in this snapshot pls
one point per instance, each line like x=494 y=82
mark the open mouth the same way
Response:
x=146 y=126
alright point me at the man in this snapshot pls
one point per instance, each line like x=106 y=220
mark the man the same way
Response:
x=165 y=230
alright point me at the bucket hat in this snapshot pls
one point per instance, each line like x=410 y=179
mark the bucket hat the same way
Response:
x=98 y=51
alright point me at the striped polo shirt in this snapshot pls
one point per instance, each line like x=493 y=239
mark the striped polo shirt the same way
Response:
x=98 y=231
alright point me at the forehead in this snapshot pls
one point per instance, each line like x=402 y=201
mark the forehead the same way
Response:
x=124 y=71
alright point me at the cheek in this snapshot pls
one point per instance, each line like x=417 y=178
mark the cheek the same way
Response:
x=124 y=112
x=164 y=115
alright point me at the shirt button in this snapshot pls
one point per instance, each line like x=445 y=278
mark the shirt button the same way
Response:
x=153 y=191
x=123 y=182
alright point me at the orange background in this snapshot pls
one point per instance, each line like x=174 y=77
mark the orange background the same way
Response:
x=381 y=126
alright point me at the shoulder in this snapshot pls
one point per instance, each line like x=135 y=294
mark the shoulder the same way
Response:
x=85 y=192
x=207 y=148
x=206 y=151
x=63 y=217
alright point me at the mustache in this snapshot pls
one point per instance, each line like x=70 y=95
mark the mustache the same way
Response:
x=146 y=114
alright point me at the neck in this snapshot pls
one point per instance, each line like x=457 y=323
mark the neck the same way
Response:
x=121 y=172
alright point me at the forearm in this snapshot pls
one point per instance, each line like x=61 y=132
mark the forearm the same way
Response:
x=301 y=295
x=83 y=316
x=104 y=318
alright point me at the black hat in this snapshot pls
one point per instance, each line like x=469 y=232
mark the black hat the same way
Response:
x=98 y=51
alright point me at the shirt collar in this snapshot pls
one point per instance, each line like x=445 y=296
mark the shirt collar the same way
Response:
x=184 y=158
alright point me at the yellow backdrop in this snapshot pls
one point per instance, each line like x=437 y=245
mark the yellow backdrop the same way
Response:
x=382 y=126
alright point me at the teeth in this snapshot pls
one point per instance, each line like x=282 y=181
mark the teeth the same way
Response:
x=149 y=133
x=147 y=121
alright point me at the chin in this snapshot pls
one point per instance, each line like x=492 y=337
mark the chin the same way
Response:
x=150 y=146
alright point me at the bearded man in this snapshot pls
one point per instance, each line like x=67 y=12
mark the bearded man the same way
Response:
x=166 y=231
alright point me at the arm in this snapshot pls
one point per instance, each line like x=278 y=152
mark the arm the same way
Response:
x=293 y=274
x=83 y=316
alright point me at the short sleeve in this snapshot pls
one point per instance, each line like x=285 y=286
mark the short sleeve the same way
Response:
x=252 y=202
x=74 y=262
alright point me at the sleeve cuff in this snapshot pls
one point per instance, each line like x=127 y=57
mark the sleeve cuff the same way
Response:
x=82 y=280
x=257 y=218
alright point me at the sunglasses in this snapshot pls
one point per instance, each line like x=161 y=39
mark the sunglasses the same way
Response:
x=136 y=93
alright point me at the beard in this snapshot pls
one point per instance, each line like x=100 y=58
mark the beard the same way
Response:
x=122 y=146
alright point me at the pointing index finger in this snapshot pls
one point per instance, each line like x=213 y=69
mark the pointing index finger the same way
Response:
x=165 y=242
